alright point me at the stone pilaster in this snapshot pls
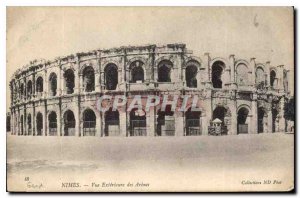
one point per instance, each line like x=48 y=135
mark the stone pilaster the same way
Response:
x=267 y=74
x=254 y=123
x=179 y=126
x=233 y=125
x=252 y=68
x=98 y=125
x=204 y=121
x=151 y=122
x=207 y=69
x=123 y=123
x=270 y=121
x=281 y=115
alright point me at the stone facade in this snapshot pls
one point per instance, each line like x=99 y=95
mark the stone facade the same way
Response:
x=59 y=98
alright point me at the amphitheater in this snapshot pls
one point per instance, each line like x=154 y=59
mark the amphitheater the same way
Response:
x=59 y=97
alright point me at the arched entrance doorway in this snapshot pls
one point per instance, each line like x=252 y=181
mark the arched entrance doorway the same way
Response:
x=52 y=119
x=112 y=123
x=242 y=121
x=166 y=122
x=39 y=124
x=193 y=123
x=261 y=114
x=275 y=121
x=29 y=128
x=22 y=125
x=222 y=114
x=69 y=123
x=89 y=123
x=138 y=125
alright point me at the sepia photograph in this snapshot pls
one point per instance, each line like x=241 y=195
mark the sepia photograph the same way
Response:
x=150 y=99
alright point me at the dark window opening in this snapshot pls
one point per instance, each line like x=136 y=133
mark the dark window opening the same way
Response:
x=111 y=77
x=22 y=125
x=164 y=71
x=192 y=123
x=89 y=79
x=29 y=124
x=89 y=123
x=217 y=70
x=29 y=89
x=260 y=78
x=138 y=123
x=191 y=76
x=53 y=84
x=285 y=81
x=22 y=91
x=137 y=72
x=69 y=80
x=52 y=124
x=39 y=124
x=166 y=122
x=260 y=120
x=69 y=123
x=274 y=120
x=272 y=78
x=112 y=123
x=241 y=120
x=8 y=128
x=39 y=85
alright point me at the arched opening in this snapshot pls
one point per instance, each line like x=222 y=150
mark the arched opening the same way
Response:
x=272 y=78
x=166 y=122
x=221 y=113
x=89 y=123
x=8 y=128
x=69 y=123
x=29 y=126
x=242 y=75
x=191 y=76
x=216 y=73
x=111 y=77
x=164 y=71
x=260 y=78
x=275 y=120
x=22 y=124
x=89 y=79
x=193 y=123
x=137 y=72
x=39 y=86
x=285 y=81
x=112 y=123
x=29 y=89
x=242 y=120
x=69 y=81
x=39 y=124
x=53 y=84
x=52 y=119
x=138 y=125
x=22 y=91
x=261 y=121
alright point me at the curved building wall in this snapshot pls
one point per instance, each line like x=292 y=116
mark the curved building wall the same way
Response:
x=59 y=98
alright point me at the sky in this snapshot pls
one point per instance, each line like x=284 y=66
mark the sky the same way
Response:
x=265 y=33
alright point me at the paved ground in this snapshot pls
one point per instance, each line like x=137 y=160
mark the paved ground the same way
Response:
x=158 y=163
